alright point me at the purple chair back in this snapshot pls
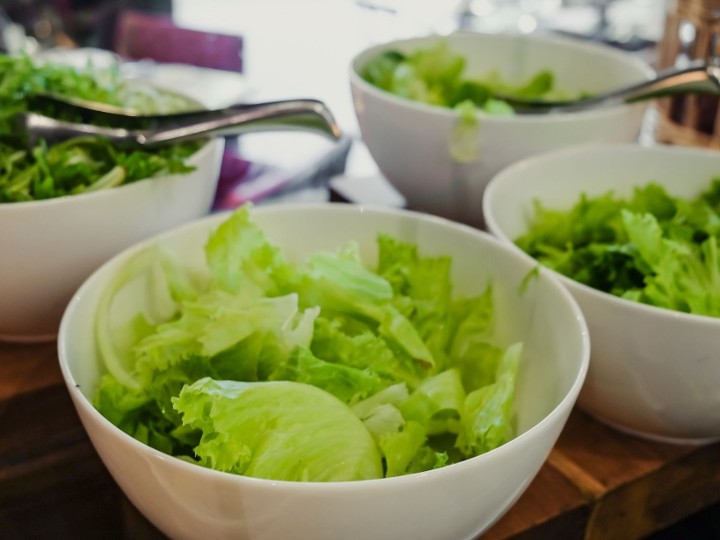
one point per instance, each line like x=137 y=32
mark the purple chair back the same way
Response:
x=145 y=36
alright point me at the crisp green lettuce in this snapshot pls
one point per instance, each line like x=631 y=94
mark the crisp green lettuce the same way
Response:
x=319 y=370
x=435 y=75
x=651 y=247
x=487 y=410
x=278 y=430
x=81 y=164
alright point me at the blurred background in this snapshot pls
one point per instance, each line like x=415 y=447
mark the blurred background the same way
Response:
x=309 y=43
x=626 y=23
x=67 y=23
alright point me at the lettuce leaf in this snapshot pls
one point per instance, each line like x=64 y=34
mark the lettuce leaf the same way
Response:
x=278 y=430
x=651 y=247
x=435 y=75
x=487 y=410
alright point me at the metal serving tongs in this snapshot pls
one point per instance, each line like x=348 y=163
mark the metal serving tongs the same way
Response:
x=130 y=129
x=698 y=78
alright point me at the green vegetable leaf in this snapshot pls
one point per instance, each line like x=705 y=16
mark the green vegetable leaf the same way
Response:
x=84 y=163
x=278 y=430
x=346 y=383
x=487 y=414
x=242 y=260
x=651 y=247
x=436 y=75
x=380 y=71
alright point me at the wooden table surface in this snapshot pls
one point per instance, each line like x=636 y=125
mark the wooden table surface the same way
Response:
x=597 y=483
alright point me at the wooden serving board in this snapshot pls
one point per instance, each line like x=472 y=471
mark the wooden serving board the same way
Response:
x=600 y=484
x=597 y=483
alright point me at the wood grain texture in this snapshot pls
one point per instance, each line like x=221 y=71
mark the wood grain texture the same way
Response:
x=551 y=507
x=24 y=368
x=601 y=484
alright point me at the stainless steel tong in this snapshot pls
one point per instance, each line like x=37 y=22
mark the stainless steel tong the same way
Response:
x=131 y=129
x=699 y=78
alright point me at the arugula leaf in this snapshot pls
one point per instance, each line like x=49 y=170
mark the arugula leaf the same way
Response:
x=81 y=164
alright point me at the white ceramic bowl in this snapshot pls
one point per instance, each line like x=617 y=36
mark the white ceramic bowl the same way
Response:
x=50 y=246
x=455 y=502
x=410 y=141
x=654 y=372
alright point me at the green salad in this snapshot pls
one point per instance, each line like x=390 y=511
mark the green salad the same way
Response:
x=317 y=370
x=436 y=76
x=652 y=247
x=84 y=163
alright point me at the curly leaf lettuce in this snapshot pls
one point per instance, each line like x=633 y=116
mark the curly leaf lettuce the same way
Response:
x=318 y=370
x=651 y=247
x=435 y=75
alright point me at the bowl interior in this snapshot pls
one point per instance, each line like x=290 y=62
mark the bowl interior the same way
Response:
x=577 y=66
x=542 y=314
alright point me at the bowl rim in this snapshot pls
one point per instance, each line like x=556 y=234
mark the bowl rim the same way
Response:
x=41 y=204
x=81 y=401
x=562 y=117
x=536 y=162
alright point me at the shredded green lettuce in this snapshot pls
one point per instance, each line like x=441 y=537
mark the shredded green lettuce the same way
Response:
x=651 y=247
x=81 y=164
x=436 y=75
x=314 y=370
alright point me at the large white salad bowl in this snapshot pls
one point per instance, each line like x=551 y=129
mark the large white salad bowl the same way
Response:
x=412 y=143
x=454 y=502
x=654 y=372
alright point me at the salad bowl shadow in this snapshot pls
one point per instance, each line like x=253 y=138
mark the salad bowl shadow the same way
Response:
x=457 y=501
x=439 y=164
x=50 y=246
x=654 y=372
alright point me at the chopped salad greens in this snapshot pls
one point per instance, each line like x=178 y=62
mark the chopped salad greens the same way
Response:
x=85 y=163
x=435 y=76
x=652 y=247
x=320 y=370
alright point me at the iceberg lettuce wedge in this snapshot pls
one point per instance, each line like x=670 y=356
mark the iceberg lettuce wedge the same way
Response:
x=278 y=430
